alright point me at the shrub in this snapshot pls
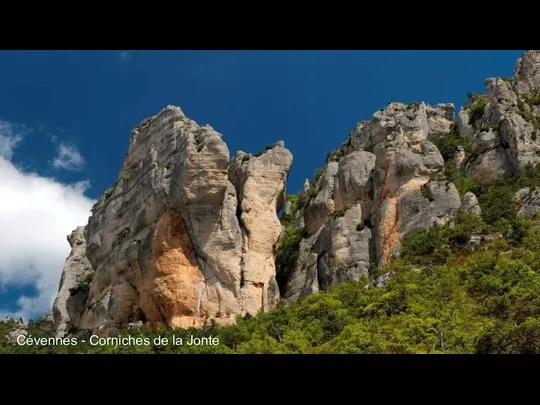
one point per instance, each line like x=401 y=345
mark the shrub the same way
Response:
x=337 y=214
x=334 y=156
x=369 y=147
x=420 y=246
x=316 y=177
x=85 y=284
x=448 y=144
x=497 y=202
x=496 y=205
x=533 y=98
x=287 y=253
x=477 y=109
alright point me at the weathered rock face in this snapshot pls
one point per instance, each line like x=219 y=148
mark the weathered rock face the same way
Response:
x=341 y=250
x=406 y=198
x=170 y=282
x=47 y=323
x=527 y=75
x=470 y=204
x=185 y=236
x=69 y=304
x=374 y=190
x=260 y=186
x=504 y=124
x=528 y=202
x=380 y=281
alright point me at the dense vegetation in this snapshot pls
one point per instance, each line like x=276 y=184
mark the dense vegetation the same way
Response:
x=469 y=288
x=439 y=301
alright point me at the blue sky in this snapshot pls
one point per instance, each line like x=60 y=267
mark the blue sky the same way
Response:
x=85 y=103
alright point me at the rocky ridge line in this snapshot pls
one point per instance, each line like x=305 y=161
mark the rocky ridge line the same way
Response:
x=390 y=179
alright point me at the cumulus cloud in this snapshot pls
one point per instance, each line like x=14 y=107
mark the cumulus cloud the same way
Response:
x=68 y=158
x=36 y=215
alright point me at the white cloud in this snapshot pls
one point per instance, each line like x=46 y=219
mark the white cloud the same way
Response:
x=10 y=136
x=36 y=215
x=68 y=158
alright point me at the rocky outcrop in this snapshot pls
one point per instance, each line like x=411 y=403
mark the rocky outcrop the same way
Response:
x=528 y=202
x=47 y=323
x=470 y=204
x=459 y=157
x=380 y=281
x=69 y=304
x=393 y=174
x=186 y=235
x=527 y=73
x=403 y=189
x=504 y=123
x=374 y=190
x=341 y=250
x=14 y=329
x=407 y=198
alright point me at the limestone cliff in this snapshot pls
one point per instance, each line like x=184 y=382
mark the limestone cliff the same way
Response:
x=376 y=188
x=185 y=235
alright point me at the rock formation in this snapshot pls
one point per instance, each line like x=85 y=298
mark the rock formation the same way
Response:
x=70 y=301
x=187 y=236
x=504 y=124
x=379 y=186
x=388 y=179
x=528 y=202
x=470 y=204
